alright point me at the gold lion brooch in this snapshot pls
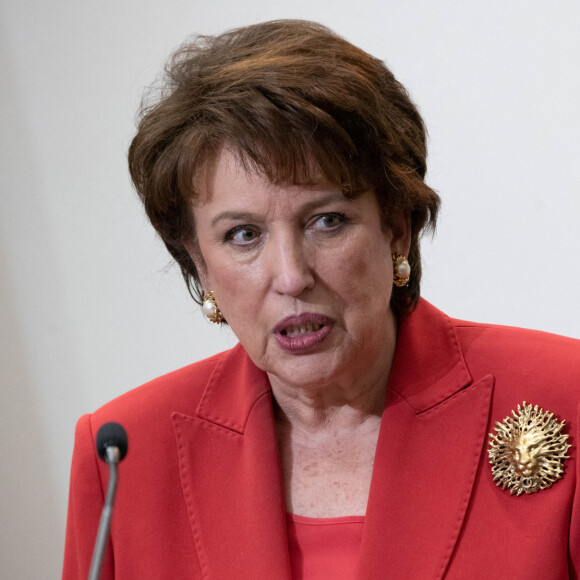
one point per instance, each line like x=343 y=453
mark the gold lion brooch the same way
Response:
x=527 y=452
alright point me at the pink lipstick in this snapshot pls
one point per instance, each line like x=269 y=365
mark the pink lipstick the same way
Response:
x=302 y=332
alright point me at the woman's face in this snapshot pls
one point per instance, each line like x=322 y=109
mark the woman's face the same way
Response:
x=302 y=274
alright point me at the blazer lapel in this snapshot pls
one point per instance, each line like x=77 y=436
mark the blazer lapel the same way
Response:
x=432 y=435
x=231 y=477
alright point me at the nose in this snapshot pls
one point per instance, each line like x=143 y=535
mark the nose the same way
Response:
x=290 y=264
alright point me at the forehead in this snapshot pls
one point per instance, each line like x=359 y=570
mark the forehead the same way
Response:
x=231 y=180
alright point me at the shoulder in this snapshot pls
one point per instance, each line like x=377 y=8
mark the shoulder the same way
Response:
x=514 y=343
x=538 y=367
x=178 y=391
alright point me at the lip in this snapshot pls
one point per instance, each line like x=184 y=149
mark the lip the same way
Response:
x=303 y=342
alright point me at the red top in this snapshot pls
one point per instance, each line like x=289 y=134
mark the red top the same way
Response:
x=322 y=548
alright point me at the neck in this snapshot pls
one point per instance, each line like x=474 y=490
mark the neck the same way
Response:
x=337 y=408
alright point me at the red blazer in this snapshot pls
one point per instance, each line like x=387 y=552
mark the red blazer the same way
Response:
x=200 y=493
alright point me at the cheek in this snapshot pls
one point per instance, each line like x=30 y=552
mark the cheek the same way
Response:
x=235 y=277
x=366 y=271
x=238 y=290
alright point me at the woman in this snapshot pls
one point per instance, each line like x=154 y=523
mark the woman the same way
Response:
x=346 y=436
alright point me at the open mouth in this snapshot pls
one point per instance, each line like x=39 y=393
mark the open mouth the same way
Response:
x=295 y=330
x=303 y=332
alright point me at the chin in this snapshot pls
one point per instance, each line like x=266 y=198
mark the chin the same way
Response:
x=308 y=372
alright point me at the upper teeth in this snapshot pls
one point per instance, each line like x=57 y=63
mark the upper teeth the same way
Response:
x=294 y=330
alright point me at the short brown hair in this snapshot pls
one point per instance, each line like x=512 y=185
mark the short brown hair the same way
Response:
x=294 y=101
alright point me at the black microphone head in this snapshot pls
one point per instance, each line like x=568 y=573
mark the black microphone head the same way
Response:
x=111 y=435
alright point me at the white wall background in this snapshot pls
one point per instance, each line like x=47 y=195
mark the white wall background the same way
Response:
x=89 y=306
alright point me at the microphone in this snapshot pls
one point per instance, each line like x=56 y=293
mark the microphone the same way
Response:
x=112 y=447
x=111 y=435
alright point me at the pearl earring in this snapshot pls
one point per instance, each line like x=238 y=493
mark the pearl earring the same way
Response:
x=401 y=270
x=210 y=308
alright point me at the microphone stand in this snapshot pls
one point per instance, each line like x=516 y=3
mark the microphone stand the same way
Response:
x=112 y=458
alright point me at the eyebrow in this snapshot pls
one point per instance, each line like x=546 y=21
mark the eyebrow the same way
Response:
x=307 y=207
x=234 y=216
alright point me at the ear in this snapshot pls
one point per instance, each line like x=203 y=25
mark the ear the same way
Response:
x=196 y=256
x=401 y=240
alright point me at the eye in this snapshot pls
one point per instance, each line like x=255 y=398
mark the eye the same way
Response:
x=330 y=221
x=242 y=235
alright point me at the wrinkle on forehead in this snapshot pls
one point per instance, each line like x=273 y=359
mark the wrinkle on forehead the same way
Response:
x=308 y=174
